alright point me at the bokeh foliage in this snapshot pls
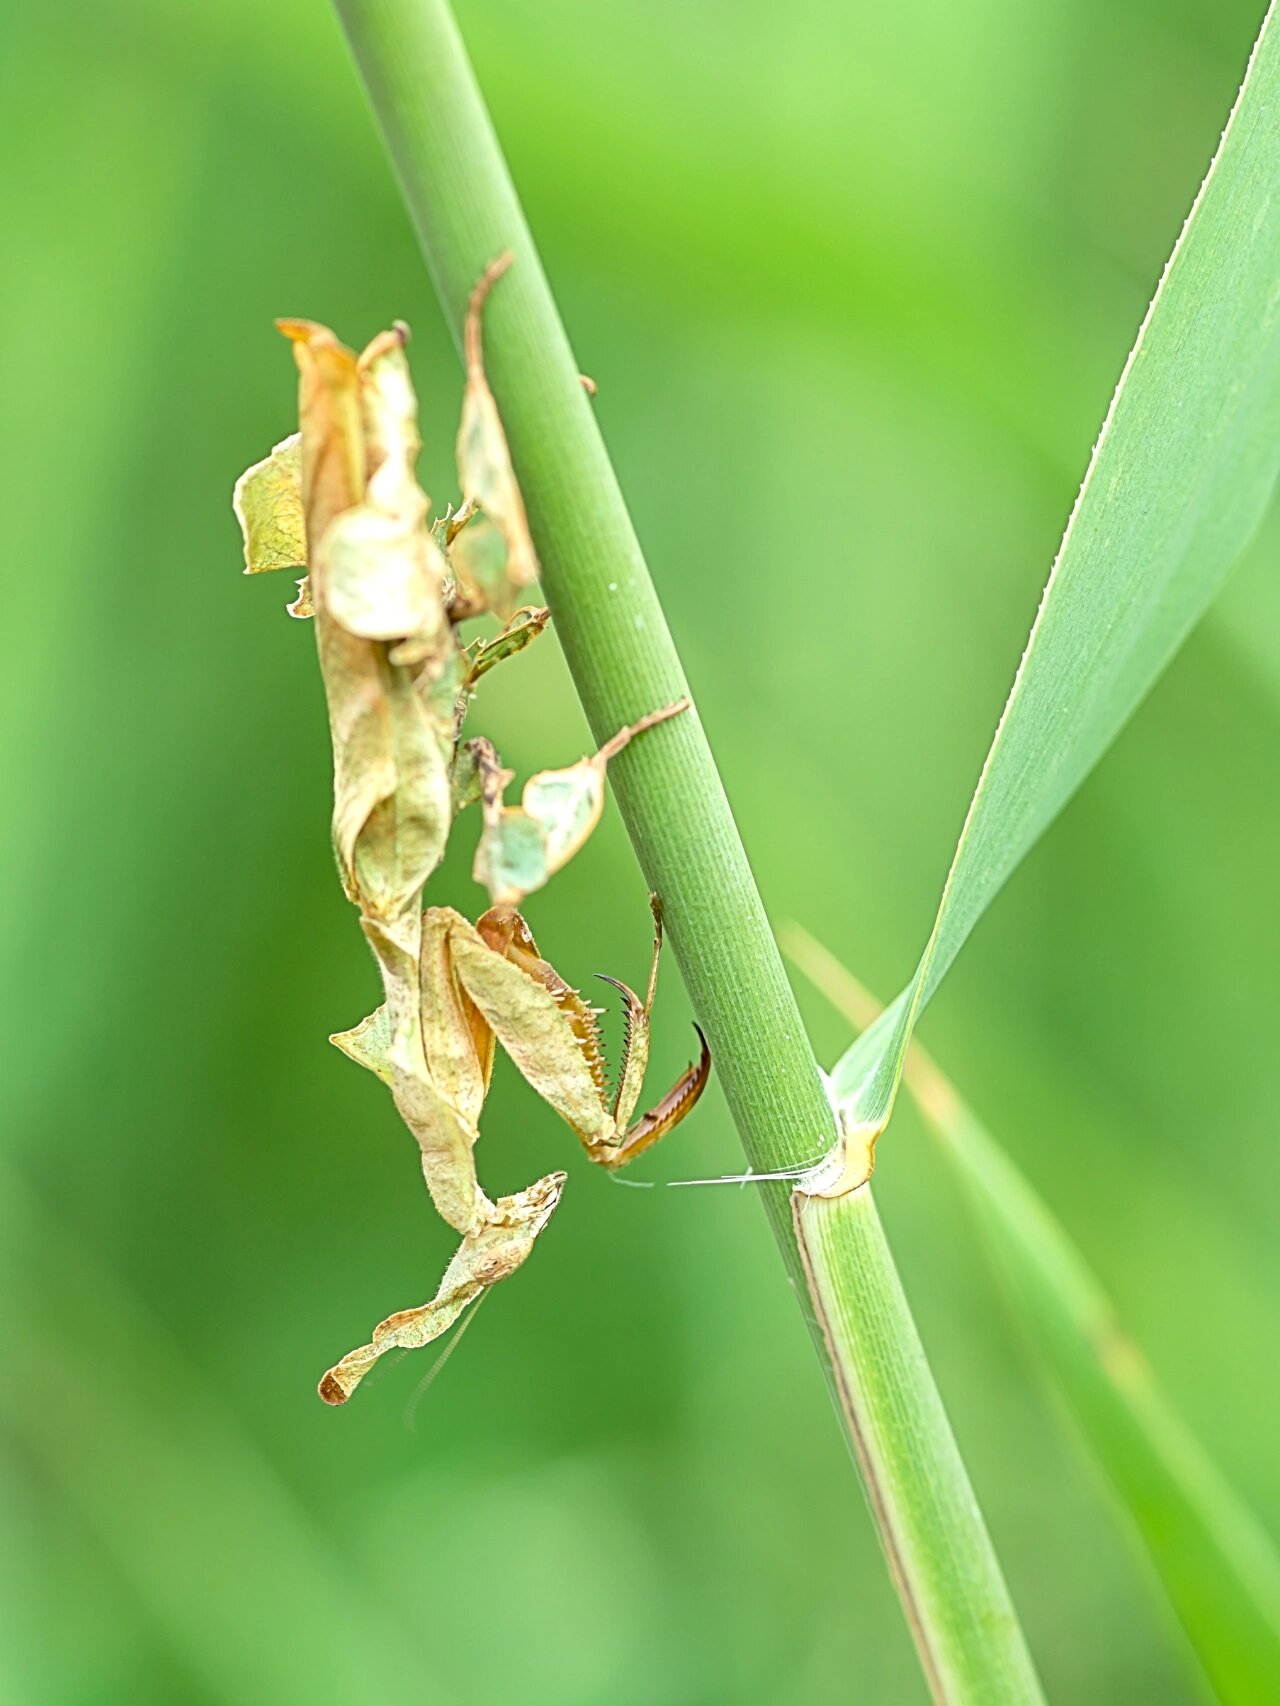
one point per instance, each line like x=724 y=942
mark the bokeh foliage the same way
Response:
x=855 y=284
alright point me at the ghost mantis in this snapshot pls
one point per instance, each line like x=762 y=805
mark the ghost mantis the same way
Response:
x=388 y=590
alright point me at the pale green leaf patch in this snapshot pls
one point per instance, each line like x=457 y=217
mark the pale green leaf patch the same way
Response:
x=267 y=501
x=523 y=846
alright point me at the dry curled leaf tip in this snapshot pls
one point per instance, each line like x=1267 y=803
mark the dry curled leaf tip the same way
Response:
x=490 y=1252
x=308 y=332
x=331 y=1390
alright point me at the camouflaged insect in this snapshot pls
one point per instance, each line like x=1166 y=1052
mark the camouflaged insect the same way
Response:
x=387 y=590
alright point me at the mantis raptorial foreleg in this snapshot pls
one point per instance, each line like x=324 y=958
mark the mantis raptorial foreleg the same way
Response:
x=552 y=1036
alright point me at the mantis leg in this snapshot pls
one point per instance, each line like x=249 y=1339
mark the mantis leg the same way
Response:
x=552 y=1036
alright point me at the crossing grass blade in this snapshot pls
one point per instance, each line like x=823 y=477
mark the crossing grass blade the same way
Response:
x=1180 y=479
x=1218 y=1567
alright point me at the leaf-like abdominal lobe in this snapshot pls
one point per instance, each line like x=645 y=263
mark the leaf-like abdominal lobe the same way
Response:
x=369 y=1043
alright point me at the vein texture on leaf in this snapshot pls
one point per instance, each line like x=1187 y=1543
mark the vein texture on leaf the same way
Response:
x=1180 y=478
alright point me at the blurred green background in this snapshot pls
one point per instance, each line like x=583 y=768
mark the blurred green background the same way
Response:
x=855 y=283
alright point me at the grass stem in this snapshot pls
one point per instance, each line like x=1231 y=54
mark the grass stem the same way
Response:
x=624 y=664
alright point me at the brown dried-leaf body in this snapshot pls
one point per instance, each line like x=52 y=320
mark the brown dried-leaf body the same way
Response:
x=387 y=591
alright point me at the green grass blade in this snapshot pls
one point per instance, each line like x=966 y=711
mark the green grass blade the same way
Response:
x=1180 y=478
x=1218 y=1567
x=623 y=661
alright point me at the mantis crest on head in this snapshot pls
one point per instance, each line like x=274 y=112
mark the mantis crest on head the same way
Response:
x=388 y=589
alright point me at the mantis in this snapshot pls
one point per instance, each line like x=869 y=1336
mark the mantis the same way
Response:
x=388 y=590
